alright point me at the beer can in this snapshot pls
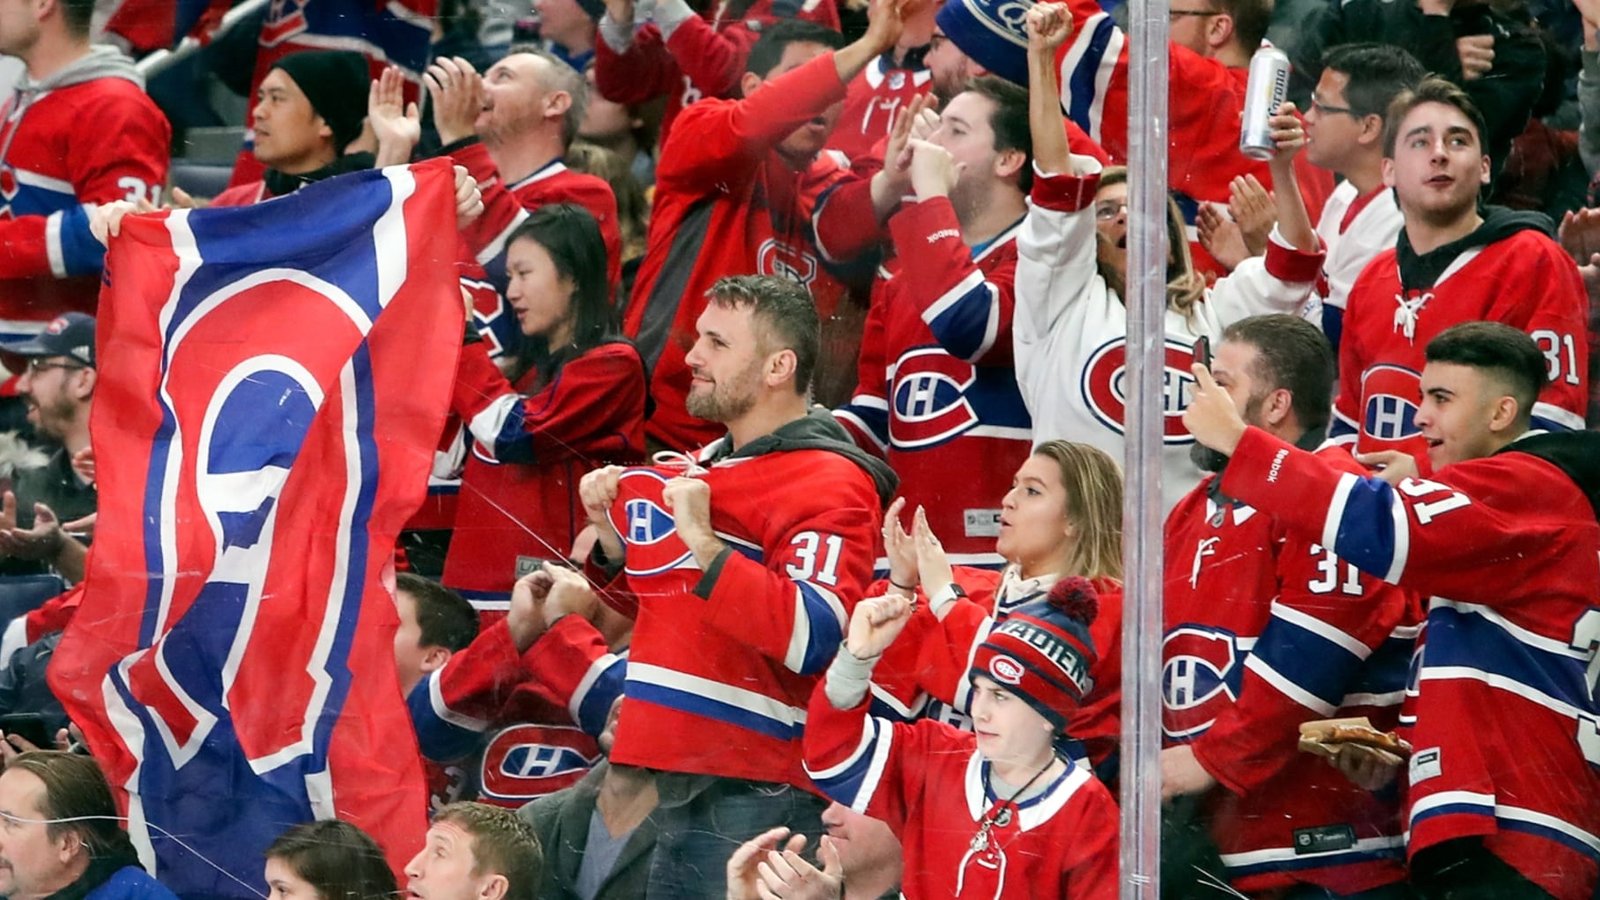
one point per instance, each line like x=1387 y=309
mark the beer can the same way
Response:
x=1267 y=89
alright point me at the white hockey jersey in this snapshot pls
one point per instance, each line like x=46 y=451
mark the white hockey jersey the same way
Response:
x=1071 y=330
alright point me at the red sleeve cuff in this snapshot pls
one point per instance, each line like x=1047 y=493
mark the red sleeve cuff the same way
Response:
x=924 y=222
x=1064 y=193
x=1290 y=265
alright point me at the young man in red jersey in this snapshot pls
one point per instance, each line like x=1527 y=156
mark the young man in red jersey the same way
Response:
x=1501 y=796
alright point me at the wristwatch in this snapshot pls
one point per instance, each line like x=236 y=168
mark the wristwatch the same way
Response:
x=945 y=596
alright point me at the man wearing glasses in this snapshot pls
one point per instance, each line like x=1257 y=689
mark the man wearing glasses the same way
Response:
x=57 y=384
x=1344 y=135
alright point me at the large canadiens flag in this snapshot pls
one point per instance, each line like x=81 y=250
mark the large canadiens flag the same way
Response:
x=273 y=381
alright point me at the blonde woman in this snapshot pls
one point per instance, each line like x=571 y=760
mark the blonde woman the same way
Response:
x=1062 y=517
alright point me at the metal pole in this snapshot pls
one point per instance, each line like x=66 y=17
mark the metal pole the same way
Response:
x=1142 y=504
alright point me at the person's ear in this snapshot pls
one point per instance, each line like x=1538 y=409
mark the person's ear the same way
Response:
x=1009 y=163
x=1483 y=170
x=68 y=846
x=83 y=385
x=781 y=367
x=1371 y=130
x=749 y=83
x=494 y=887
x=556 y=104
x=1388 y=172
x=1219 y=31
x=1503 y=414
x=1279 y=404
x=323 y=129
x=433 y=659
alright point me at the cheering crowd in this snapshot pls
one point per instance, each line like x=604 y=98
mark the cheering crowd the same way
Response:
x=773 y=545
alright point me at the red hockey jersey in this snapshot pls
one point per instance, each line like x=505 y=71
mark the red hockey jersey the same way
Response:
x=1265 y=630
x=936 y=393
x=928 y=781
x=531 y=444
x=1523 y=279
x=727 y=204
x=872 y=99
x=54 y=157
x=1506 y=727
x=528 y=720
x=704 y=58
x=723 y=660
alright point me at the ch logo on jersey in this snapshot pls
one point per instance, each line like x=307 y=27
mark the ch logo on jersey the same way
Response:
x=1199 y=678
x=930 y=403
x=774 y=257
x=646 y=527
x=528 y=761
x=1390 y=397
x=1105 y=387
x=647 y=522
x=285 y=19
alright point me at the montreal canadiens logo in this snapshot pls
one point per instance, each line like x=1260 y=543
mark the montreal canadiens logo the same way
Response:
x=645 y=524
x=930 y=399
x=527 y=761
x=1006 y=670
x=774 y=257
x=1199 y=678
x=1105 y=387
x=1390 y=397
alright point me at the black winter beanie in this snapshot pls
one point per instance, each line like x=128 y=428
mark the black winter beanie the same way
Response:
x=336 y=82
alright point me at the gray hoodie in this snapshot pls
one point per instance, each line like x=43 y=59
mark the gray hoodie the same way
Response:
x=101 y=62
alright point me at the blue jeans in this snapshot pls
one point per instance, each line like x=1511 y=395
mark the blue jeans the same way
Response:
x=699 y=831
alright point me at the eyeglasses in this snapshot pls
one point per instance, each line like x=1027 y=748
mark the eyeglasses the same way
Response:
x=1107 y=210
x=38 y=364
x=1324 y=109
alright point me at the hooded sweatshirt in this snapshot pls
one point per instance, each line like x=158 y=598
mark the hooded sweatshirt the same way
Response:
x=723 y=660
x=54 y=157
x=1508 y=270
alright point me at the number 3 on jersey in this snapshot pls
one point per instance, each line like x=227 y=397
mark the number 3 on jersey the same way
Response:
x=138 y=190
x=1586 y=638
x=816 y=558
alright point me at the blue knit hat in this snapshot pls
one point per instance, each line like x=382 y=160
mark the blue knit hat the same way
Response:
x=991 y=32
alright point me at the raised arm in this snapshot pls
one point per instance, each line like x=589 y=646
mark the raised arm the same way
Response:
x=1049 y=25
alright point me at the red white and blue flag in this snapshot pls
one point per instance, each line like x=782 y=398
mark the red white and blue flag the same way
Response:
x=273 y=382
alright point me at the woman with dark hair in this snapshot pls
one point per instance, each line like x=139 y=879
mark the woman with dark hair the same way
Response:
x=328 y=860
x=573 y=400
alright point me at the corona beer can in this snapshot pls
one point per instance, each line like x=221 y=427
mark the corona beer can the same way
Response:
x=1266 y=91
